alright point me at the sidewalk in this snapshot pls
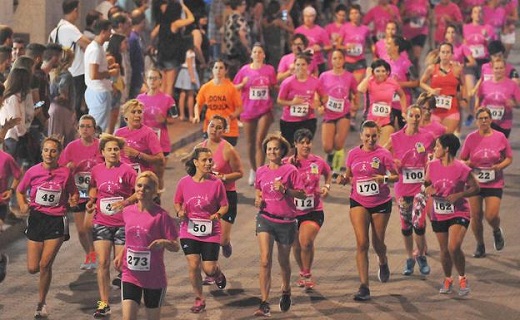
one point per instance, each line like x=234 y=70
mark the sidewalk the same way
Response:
x=181 y=134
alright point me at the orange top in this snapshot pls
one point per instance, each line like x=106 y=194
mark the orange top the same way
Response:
x=223 y=100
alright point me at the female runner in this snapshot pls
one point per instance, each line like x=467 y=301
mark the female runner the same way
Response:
x=427 y=103
x=354 y=37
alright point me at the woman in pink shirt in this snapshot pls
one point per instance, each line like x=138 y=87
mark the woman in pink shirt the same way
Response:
x=488 y=153
x=148 y=231
x=334 y=28
x=286 y=67
x=379 y=47
x=310 y=215
x=256 y=83
x=111 y=187
x=370 y=168
x=448 y=183
x=411 y=147
x=80 y=156
x=380 y=15
x=427 y=103
x=381 y=89
x=228 y=168
x=445 y=13
x=500 y=95
x=277 y=185
x=343 y=100
x=415 y=14
x=461 y=52
x=200 y=201
x=142 y=145
x=52 y=190
x=318 y=39
x=299 y=96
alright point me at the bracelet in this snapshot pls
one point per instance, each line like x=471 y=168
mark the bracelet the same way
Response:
x=385 y=179
x=327 y=186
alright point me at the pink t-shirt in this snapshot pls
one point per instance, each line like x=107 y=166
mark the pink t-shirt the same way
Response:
x=494 y=95
x=435 y=128
x=401 y=72
x=50 y=189
x=416 y=18
x=460 y=52
x=256 y=93
x=334 y=31
x=382 y=53
x=412 y=151
x=448 y=180
x=495 y=17
x=144 y=140
x=113 y=185
x=355 y=36
x=381 y=96
x=275 y=202
x=476 y=38
x=200 y=200
x=380 y=16
x=364 y=165
x=142 y=266
x=292 y=87
x=338 y=88
x=154 y=106
x=287 y=60
x=10 y=169
x=220 y=165
x=310 y=171
x=441 y=11
x=315 y=35
x=84 y=159
x=487 y=71
x=484 y=152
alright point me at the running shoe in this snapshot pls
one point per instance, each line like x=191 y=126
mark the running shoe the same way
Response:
x=41 y=311
x=198 y=306
x=102 y=310
x=227 y=250
x=285 y=301
x=309 y=283
x=498 y=235
x=252 y=177
x=117 y=281
x=384 y=273
x=301 y=281
x=208 y=281
x=93 y=261
x=85 y=265
x=463 y=286
x=408 y=267
x=4 y=260
x=363 y=293
x=480 y=252
x=424 y=268
x=446 y=286
x=264 y=310
x=221 y=281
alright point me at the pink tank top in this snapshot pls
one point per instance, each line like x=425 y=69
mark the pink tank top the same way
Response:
x=220 y=165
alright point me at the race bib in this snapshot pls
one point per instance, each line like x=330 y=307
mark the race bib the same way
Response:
x=157 y=132
x=106 y=204
x=413 y=175
x=443 y=102
x=82 y=180
x=477 y=51
x=381 y=109
x=299 y=110
x=335 y=105
x=47 y=197
x=442 y=206
x=355 y=50
x=417 y=22
x=485 y=175
x=487 y=77
x=136 y=167
x=367 y=187
x=304 y=204
x=497 y=112
x=259 y=93
x=138 y=260
x=200 y=227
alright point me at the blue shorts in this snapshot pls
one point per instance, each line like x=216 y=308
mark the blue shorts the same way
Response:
x=99 y=105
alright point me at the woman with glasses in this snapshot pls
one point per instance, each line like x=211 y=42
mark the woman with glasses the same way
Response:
x=488 y=153
x=286 y=67
x=80 y=156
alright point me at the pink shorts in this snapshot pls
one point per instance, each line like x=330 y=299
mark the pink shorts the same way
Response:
x=453 y=116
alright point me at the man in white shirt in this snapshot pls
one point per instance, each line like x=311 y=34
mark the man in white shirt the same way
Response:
x=104 y=7
x=69 y=36
x=97 y=75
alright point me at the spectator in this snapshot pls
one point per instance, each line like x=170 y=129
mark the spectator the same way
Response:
x=215 y=24
x=97 y=74
x=68 y=35
x=18 y=48
x=6 y=35
x=237 y=37
x=92 y=16
x=5 y=62
x=136 y=51
x=116 y=48
x=104 y=6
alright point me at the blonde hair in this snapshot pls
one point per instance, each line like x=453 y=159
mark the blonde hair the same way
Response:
x=104 y=138
x=150 y=176
x=65 y=60
x=130 y=104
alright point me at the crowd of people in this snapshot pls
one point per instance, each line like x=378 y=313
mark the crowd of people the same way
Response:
x=85 y=130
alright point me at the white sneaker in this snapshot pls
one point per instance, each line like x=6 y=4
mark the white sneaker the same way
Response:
x=252 y=177
x=41 y=312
